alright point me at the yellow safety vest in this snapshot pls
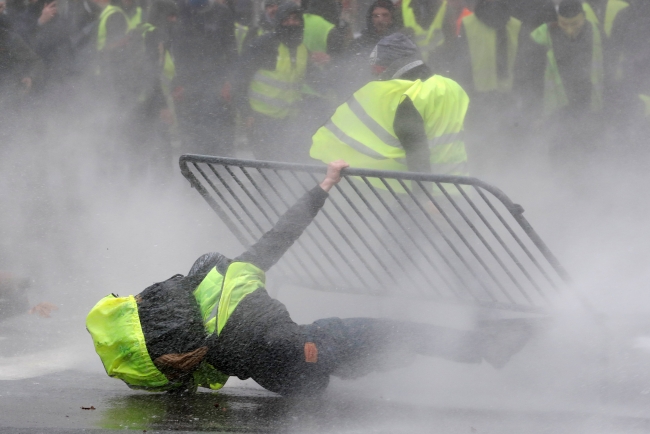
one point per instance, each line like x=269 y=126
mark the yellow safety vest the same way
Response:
x=426 y=39
x=554 y=92
x=361 y=130
x=611 y=11
x=136 y=19
x=218 y=297
x=481 y=39
x=103 y=18
x=275 y=93
x=316 y=31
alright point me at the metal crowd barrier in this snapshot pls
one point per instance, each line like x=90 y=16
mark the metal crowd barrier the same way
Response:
x=444 y=238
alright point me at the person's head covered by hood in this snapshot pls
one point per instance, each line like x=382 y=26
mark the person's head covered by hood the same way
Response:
x=396 y=56
x=571 y=18
x=289 y=24
x=156 y=340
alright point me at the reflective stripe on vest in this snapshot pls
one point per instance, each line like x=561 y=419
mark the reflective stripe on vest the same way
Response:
x=482 y=42
x=611 y=11
x=554 y=93
x=316 y=31
x=275 y=93
x=136 y=19
x=427 y=40
x=103 y=18
x=361 y=130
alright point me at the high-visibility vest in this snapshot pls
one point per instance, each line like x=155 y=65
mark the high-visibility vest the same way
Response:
x=103 y=18
x=136 y=19
x=612 y=9
x=361 y=130
x=482 y=41
x=426 y=39
x=218 y=297
x=554 y=92
x=316 y=31
x=275 y=93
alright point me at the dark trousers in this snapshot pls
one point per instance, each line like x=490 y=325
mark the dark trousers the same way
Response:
x=354 y=347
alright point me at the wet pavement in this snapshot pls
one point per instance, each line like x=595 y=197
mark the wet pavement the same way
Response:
x=78 y=402
x=52 y=382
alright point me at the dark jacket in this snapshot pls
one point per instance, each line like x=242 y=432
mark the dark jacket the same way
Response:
x=259 y=341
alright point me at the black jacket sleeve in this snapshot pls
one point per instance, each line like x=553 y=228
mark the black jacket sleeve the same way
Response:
x=273 y=244
x=409 y=129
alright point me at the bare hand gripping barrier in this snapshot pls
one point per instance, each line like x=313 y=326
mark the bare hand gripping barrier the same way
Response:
x=435 y=237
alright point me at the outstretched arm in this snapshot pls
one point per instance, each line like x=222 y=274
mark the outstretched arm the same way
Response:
x=273 y=244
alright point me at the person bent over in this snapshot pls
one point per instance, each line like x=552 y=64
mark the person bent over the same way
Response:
x=219 y=321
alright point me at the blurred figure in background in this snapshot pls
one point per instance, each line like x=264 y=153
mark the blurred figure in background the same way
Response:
x=487 y=65
x=154 y=124
x=427 y=25
x=110 y=39
x=267 y=87
x=629 y=81
x=573 y=81
x=380 y=22
x=206 y=50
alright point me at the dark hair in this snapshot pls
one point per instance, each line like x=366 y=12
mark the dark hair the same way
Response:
x=570 y=8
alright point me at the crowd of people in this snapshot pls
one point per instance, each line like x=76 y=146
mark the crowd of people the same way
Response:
x=215 y=76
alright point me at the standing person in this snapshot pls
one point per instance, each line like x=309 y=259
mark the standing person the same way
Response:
x=408 y=119
x=381 y=21
x=154 y=122
x=487 y=65
x=490 y=47
x=219 y=321
x=573 y=79
x=267 y=87
x=206 y=51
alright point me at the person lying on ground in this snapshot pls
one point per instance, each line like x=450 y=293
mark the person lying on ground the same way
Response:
x=219 y=321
